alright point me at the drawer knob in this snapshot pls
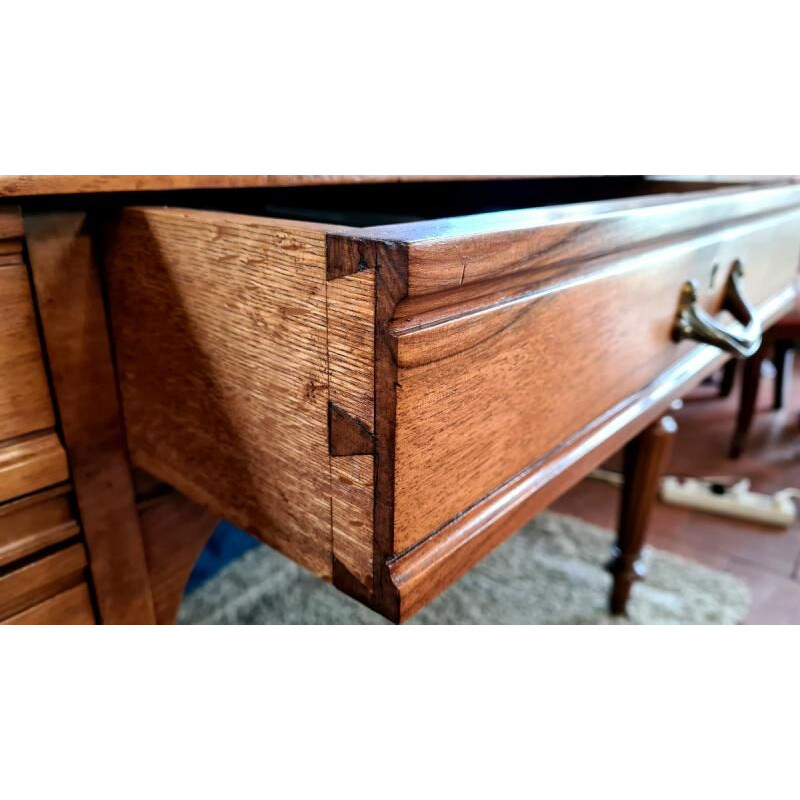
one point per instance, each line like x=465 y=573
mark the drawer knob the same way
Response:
x=692 y=322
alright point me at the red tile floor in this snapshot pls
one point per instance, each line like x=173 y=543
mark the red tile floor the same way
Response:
x=767 y=559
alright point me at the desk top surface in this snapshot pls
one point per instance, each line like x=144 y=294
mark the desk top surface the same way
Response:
x=32 y=185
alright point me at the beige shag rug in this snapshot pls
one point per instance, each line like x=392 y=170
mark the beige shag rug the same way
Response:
x=551 y=572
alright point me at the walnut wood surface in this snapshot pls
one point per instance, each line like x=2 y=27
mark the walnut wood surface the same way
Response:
x=645 y=459
x=25 y=404
x=31 y=463
x=489 y=385
x=416 y=576
x=219 y=322
x=35 y=522
x=40 y=579
x=175 y=531
x=448 y=253
x=72 y=607
x=76 y=336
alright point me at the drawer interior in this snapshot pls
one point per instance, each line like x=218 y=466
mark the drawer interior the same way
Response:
x=367 y=205
x=376 y=204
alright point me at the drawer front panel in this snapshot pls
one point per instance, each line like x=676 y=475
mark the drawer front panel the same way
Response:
x=31 y=463
x=25 y=404
x=33 y=523
x=34 y=583
x=72 y=607
x=492 y=381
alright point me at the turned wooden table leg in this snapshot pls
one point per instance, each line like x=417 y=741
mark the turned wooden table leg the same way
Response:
x=728 y=377
x=644 y=460
x=751 y=380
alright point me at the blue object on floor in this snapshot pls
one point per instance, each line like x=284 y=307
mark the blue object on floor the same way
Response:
x=226 y=544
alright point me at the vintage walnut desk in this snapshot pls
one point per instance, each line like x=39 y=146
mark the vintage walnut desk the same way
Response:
x=382 y=378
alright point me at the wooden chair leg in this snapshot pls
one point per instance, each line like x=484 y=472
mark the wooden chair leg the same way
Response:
x=644 y=461
x=751 y=378
x=783 y=355
x=728 y=377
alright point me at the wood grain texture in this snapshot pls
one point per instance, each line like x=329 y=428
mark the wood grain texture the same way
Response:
x=351 y=347
x=445 y=254
x=26 y=185
x=25 y=404
x=43 y=578
x=219 y=322
x=31 y=463
x=35 y=522
x=351 y=370
x=72 y=312
x=72 y=607
x=351 y=520
x=10 y=224
x=175 y=531
x=489 y=386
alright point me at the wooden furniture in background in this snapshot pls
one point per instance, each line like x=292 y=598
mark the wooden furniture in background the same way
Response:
x=376 y=383
x=777 y=343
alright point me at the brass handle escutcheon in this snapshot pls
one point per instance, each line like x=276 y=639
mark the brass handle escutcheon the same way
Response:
x=691 y=322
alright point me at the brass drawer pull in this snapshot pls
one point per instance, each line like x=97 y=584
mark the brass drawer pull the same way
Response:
x=693 y=323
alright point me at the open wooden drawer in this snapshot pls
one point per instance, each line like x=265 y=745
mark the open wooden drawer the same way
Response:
x=385 y=404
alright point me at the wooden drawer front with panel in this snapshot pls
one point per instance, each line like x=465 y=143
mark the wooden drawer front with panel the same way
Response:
x=384 y=404
x=70 y=607
x=36 y=522
x=40 y=579
x=31 y=456
x=42 y=562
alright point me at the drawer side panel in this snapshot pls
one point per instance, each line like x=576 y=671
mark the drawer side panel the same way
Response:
x=219 y=326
